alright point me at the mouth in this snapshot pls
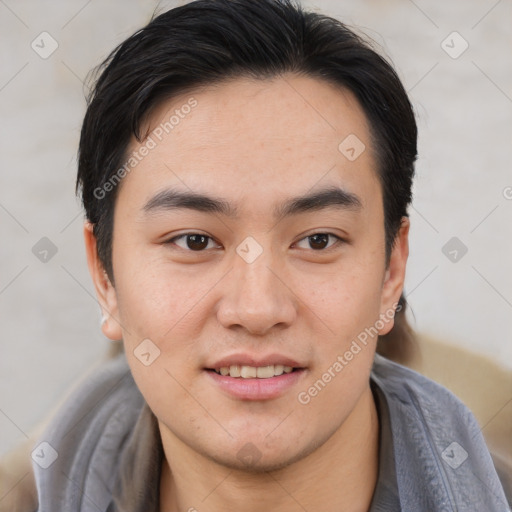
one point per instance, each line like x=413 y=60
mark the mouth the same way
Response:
x=243 y=377
x=253 y=372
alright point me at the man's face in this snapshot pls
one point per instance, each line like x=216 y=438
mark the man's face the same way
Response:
x=250 y=287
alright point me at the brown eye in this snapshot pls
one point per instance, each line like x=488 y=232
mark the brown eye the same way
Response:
x=320 y=241
x=197 y=242
x=191 y=241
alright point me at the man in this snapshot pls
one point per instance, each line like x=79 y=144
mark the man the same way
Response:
x=245 y=168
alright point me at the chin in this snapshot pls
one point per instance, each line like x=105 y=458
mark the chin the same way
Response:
x=263 y=465
x=251 y=459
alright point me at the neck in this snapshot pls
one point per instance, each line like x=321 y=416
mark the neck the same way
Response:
x=339 y=475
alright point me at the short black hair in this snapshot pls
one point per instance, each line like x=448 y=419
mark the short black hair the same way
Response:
x=206 y=42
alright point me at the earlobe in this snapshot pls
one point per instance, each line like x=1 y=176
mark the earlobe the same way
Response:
x=105 y=291
x=395 y=274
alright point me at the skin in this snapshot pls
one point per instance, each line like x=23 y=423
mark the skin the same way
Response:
x=255 y=144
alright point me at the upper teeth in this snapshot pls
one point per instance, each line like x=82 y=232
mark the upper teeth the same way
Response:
x=251 y=372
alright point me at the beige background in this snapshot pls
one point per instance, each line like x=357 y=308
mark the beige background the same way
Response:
x=49 y=319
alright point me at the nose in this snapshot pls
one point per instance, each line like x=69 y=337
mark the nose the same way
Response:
x=257 y=298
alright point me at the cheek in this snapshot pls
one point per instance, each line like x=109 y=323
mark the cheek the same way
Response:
x=349 y=307
x=156 y=299
x=347 y=302
x=160 y=317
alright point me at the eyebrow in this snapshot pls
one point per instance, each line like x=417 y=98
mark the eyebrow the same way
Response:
x=172 y=199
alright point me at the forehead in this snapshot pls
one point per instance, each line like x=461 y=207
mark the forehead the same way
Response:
x=247 y=137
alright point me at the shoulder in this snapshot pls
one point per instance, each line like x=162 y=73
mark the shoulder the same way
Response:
x=438 y=441
x=410 y=387
x=416 y=401
x=80 y=446
x=109 y=390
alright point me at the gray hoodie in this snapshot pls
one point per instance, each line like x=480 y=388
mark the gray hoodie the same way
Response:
x=103 y=452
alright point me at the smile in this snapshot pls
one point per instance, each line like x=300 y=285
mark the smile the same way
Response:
x=254 y=372
x=249 y=383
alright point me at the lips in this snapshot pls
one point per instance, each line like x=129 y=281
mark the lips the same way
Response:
x=251 y=377
x=247 y=366
x=254 y=360
x=253 y=372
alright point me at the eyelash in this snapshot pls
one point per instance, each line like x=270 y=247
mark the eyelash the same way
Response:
x=338 y=241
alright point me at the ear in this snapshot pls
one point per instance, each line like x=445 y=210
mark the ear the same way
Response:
x=105 y=291
x=395 y=275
